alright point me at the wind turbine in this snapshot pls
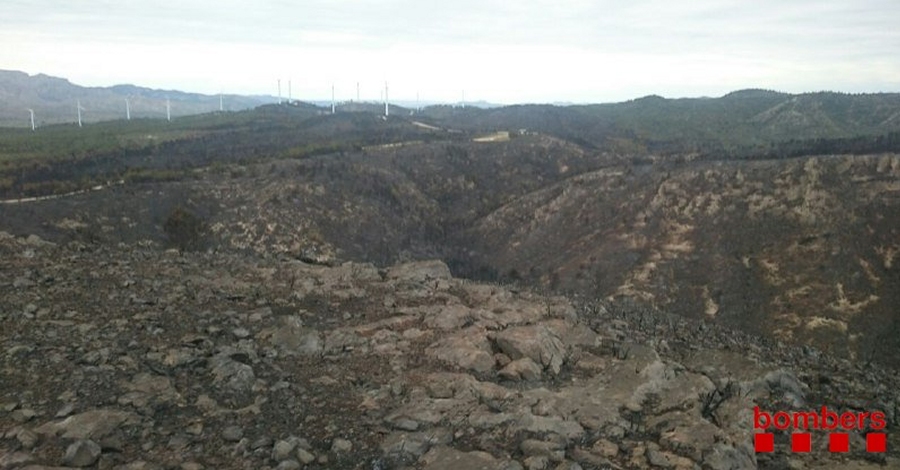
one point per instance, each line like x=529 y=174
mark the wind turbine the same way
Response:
x=386 y=112
x=78 y=106
x=289 y=91
x=332 y=98
x=127 y=109
x=168 y=110
x=32 y=118
x=357 y=92
x=221 y=105
x=279 y=91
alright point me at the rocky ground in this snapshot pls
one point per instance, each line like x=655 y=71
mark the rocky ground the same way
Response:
x=133 y=357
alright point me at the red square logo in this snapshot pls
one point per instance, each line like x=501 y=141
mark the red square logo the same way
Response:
x=801 y=442
x=764 y=442
x=876 y=442
x=839 y=442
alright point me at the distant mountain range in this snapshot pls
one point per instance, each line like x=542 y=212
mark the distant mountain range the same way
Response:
x=54 y=101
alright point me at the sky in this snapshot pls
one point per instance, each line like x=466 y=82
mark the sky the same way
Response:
x=499 y=51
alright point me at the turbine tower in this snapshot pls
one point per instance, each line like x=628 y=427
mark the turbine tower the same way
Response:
x=32 y=118
x=357 y=92
x=168 y=110
x=332 y=98
x=221 y=105
x=279 y=91
x=78 y=106
x=127 y=109
x=386 y=112
x=289 y=91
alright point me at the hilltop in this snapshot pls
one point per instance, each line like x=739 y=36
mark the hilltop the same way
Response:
x=54 y=99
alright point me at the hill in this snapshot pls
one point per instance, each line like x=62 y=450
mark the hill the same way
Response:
x=54 y=101
x=181 y=293
x=743 y=124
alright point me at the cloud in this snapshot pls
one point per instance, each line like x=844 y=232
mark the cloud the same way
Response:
x=510 y=51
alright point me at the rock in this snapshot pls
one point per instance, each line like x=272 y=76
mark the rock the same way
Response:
x=543 y=424
x=341 y=446
x=535 y=342
x=144 y=389
x=569 y=466
x=305 y=457
x=283 y=449
x=419 y=272
x=660 y=459
x=94 y=424
x=415 y=444
x=241 y=333
x=726 y=457
x=81 y=453
x=236 y=375
x=289 y=465
x=446 y=458
x=554 y=451
x=23 y=415
x=405 y=424
x=536 y=462
x=293 y=338
x=27 y=438
x=232 y=434
x=467 y=350
x=521 y=369
x=66 y=410
x=605 y=448
x=15 y=459
x=263 y=441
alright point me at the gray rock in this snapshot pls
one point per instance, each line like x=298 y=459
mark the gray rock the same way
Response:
x=726 y=457
x=419 y=271
x=264 y=441
x=93 y=424
x=81 y=453
x=15 y=459
x=659 y=459
x=289 y=465
x=467 y=350
x=283 y=449
x=22 y=416
x=536 y=342
x=446 y=458
x=145 y=389
x=341 y=446
x=232 y=434
x=405 y=424
x=416 y=443
x=521 y=369
x=293 y=338
x=27 y=438
x=236 y=375
x=536 y=462
x=305 y=457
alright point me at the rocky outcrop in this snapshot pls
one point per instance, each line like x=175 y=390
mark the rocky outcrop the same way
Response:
x=134 y=358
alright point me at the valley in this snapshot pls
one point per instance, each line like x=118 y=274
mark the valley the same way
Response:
x=755 y=233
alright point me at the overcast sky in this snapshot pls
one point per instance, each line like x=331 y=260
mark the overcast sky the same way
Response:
x=502 y=51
